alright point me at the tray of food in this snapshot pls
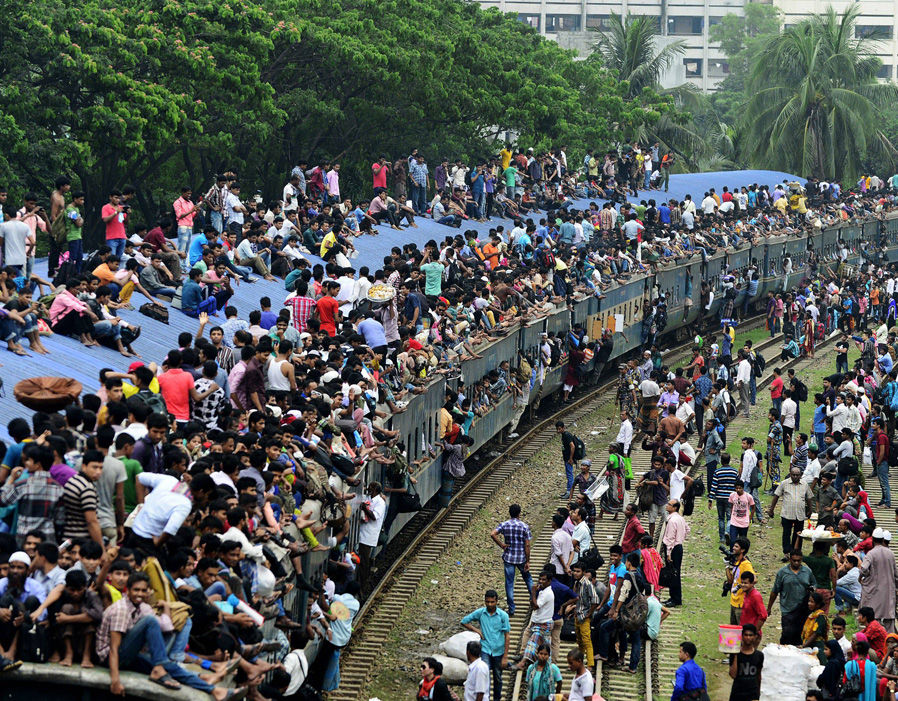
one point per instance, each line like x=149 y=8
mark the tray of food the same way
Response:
x=381 y=293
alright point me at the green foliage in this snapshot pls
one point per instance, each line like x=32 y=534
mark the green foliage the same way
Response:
x=164 y=93
x=814 y=101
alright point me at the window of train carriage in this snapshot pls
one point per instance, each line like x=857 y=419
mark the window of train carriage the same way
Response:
x=416 y=445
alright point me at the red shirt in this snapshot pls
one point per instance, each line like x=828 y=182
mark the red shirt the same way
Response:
x=876 y=636
x=155 y=238
x=380 y=179
x=633 y=531
x=115 y=227
x=753 y=609
x=175 y=386
x=327 y=314
x=776 y=388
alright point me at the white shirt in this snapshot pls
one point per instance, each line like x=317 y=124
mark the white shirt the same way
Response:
x=839 y=416
x=812 y=471
x=744 y=372
x=291 y=201
x=562 y=547
x=685 y=412
x=347 y=294
x=478 y=681
x=545 y=602
x=787 y=415
x=582 y=688
x=625 y=435
x=165 y=508
x=708 y=205
x=749 y=461
x=677 y=484
x=232 y=201
x=581 y=535
x=369 y=531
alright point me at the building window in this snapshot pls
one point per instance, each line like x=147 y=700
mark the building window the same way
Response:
x=657 y=20
x=685 y=26
x=873 y=31
x=599 y=22
x=530 y=20
x=714 y=20
x=693 y=67
x=718 y=68
x=885 y=71
x=562 y=23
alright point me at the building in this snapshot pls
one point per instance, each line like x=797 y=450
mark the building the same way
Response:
x=574 y=23
x=876 y=21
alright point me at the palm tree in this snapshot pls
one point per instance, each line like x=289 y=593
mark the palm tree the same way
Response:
x=815 y=100
x=628 y=47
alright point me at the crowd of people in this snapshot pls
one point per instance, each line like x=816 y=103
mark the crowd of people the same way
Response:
x=167 y=522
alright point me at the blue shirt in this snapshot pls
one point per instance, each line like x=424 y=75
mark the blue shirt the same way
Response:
x=563 y=593
x=568 y=231
x=703 y=387
x=191 y=296
x=195 y=252
x=820 y=419
x=269 y=319
x=664 y=214
x=31 y=588
x=493 y=627
x=885 y=363
x=688 y=678
x=374 y=333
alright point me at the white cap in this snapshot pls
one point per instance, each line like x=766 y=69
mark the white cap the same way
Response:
x=20 y=556
x=887 y=536
x=878 y=533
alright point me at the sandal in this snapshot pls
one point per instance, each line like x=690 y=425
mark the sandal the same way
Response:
x=166 y=682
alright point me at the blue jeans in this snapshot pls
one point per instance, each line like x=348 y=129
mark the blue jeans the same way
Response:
x=146 y=633
x=117 y=246
x=494 y=662
x=216 y=220
x=882 y=472
x=843 y=596
x=753 y=389
x=176 y=641
x=569 y=473
x=448 y=220
x=167 y=291
x=777 y=404
x=481 y=203
x=648 y=179
x=103 y=329
x=184 y=234
x=210 y=306
x=723 y=515
x=819 y=436
x=419 y=198
x=509 y=582
x=76 y=254
x=737 y=532
x=611 y=628
x=753 y=493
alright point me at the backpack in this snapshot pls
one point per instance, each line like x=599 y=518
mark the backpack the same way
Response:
x=579 y=448
x=801 y=391
x=847 y=466
x=154 y=311
x=893 y=454
x=759 y=364
x=755 y=479
x=545 y=258
x=154 y=402
x=58 y=229
x=635 y=610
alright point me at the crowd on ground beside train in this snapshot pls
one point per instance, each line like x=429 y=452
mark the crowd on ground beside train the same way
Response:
x=161 y=524
x=814 y=462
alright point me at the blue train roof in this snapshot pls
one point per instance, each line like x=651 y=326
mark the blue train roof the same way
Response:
x=69 y=358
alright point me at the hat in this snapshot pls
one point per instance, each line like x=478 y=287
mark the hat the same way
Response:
x=133 y=366
x=587 y=462
x=22 y=557
x=304 y=335
x=887 y=536
x=878 y=534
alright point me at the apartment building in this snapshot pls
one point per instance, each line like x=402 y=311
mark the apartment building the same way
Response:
x=574 y=23
x=876 y=21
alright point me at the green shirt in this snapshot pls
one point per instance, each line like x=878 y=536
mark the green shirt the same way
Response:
x=793 y=587
x=433 y=278
x=820 y=567
x=72 y=230
x=132 y=469
x=510 y=174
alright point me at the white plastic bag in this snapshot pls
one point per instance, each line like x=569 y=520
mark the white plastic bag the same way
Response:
x=868 y=456
x=786 y=672
x=455 y=671
x=455 y=646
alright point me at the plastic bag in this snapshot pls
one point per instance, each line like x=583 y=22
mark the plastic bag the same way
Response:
x=454 y=671
x=455 y=646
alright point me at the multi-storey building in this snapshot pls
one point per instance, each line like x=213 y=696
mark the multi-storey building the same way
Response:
x=574 y=23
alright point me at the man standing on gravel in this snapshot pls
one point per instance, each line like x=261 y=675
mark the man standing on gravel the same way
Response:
x=792 y=584
x=493 y=632
x=515 y=543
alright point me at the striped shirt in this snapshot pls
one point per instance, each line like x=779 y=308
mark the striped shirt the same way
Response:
x=800 y=456
x=79 y=495
x=38 y=498
x=723 y=483
x=302 y=309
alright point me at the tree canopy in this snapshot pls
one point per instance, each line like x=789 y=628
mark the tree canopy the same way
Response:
x=164 y=93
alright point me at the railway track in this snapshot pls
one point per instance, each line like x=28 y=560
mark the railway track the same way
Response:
x=386 y=601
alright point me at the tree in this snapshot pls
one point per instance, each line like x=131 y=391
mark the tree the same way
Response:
x=814 y=100
x=629 y=49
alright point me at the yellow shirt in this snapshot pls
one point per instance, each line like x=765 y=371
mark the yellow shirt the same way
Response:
x=327 y=243
x=737 y=593
x=130 y=390
x=506 y=157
